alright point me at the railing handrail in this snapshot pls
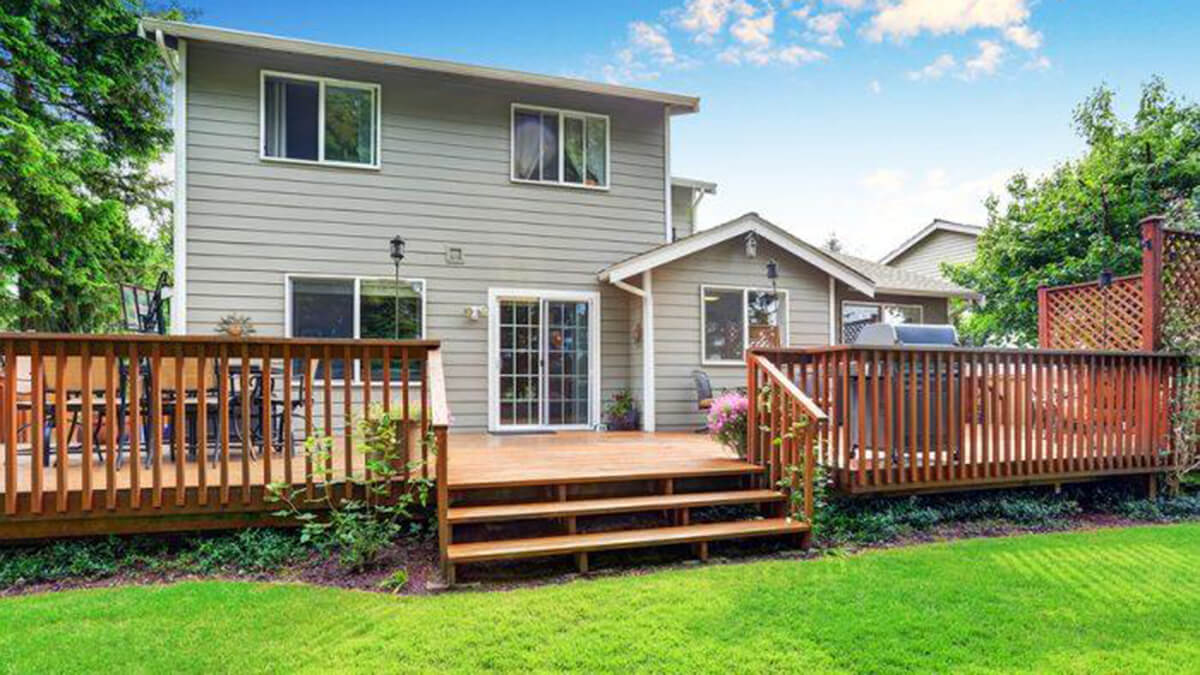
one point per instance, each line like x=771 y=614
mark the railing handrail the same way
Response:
x=810 y=407
x=218 y=339
x=1022 y=351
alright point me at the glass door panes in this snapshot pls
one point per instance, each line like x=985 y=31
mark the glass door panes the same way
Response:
x=567 y=383
x=520 y=362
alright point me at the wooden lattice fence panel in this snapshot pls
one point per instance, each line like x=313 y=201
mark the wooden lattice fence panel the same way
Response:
x=1088 y=316
x=1181 y=286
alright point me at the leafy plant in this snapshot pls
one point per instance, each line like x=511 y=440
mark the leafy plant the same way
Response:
x=621 y=411
x=394 y=582
x=359 y=518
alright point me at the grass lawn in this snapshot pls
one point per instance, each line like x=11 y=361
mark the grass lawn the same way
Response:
x=1114 y=600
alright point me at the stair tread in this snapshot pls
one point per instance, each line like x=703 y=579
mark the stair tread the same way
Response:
x=580 y=507
x=597 y=541
x=558 y=473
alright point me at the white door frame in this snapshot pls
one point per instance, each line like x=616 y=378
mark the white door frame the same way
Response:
x=493 y=356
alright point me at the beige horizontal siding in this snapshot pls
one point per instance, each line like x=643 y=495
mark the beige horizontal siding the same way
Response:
x=928 y=254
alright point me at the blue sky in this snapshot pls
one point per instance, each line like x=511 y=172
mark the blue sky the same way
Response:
x=864 y=117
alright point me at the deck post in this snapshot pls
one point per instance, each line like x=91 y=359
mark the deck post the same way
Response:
x=443 y=505
x=1152 y=267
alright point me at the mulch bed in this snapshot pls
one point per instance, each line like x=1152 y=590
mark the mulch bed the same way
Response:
x=419 y=558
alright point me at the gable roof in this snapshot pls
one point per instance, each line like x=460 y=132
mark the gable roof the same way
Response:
x=937 y=225
x=678 y=103
x=864 y=276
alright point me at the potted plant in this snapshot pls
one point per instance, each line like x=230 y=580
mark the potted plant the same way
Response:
x=728 y=421
x=621 y=412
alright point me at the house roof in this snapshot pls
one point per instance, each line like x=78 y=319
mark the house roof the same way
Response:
x=864 y=276
x=936 y=225
x=677 y=103
x=704 y=186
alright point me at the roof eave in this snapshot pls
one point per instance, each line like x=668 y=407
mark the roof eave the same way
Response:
x=676 y=103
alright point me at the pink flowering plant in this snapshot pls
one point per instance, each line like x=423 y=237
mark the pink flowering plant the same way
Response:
x=727 y=420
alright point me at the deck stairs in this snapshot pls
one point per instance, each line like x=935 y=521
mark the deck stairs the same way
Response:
x=584 y=510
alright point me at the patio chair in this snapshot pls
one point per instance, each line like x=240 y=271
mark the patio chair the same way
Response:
x=704 y=395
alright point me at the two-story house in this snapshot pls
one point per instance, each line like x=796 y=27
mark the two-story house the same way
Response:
x=546 y=243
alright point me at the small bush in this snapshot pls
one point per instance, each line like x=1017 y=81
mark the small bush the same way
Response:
x=394 y=582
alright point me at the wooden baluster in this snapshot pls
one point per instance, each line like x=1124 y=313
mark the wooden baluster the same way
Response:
x=425 y=418
x=940 y=395
x=10 y=428
x=347 y=417
x=847 y=420
x=327 y=411
x=223 y=385
x=265 y=418
x=37 y=425
x=155 y=423
x=247 y=428
x=286 y=452
x=179 y=428
x=85 y=429
x=889 y=418
x=386 y=400
x=405 y=413
x=112 y=431
x=201 y=439
x=135 y=426
x=365 y=369
x=310 y=401
x=878 y=452
x=62 y=452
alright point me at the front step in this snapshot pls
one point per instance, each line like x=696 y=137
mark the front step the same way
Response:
x=593 y=507
x=603 y=541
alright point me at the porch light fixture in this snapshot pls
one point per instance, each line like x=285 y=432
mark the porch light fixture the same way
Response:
x=1106 y=278
x=773 y=275
x=396 y=247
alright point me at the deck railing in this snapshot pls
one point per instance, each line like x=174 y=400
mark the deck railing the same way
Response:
x=120 y=433
x=907 y=418
x=784 y=428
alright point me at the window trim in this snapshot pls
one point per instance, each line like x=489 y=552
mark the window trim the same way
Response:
x=321 y=81
x=745 y=290
x=841 y=324
x=512 y=147
x=290 y=277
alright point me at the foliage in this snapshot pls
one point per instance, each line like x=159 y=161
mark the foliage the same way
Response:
x=728 y=420
x=394 y=582
x=247 y=551
x=1164 y=509
x=358 y=519
x=1082 y=218
x=83 y=108
x=620 y=413
x=1180 y=335
x=1110 y=600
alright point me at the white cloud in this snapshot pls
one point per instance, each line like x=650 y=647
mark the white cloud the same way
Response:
x=900 y=19
x=653 y=40
x=935 y=70
x=852 y=5
x=985 y=62
x=1023 y=36
x=706 y=18
x=885 y=181
x=875 y=87
x=796 y=55
x=1041 y=62
x=626 y=67
x=823 y=28
x=754 y=31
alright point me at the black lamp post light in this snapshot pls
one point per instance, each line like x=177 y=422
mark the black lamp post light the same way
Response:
x=397 y=253
x=773 y=275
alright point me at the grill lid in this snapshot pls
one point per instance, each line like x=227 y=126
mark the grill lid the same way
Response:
x=915 y=334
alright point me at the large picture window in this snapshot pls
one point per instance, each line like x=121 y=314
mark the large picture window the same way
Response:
x=354 y=307
x=559 y=147
x=318 y=119
x=735 y=319
x=857 y=315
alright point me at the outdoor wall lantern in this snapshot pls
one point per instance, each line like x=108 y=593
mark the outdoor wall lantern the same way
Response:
x=396 y=247
x=773 y=274
x=1106 y=278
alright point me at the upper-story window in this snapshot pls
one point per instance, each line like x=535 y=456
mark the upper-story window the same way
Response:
x=561 y=147
x=319 y=119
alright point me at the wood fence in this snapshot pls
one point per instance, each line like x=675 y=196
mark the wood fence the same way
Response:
x=926 y=419
x=127 y=433
x=1130 y=313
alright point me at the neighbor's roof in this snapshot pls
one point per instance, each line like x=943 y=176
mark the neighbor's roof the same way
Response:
x=702 y=185
x=937 y=225
x=893 y=280
x=678 y=103
x=864 y=276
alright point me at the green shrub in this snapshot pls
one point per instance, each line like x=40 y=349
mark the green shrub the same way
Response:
x=394 y=582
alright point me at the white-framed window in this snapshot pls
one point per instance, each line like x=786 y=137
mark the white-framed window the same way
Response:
x=319 y=120
x=734 y=319
x=559 y=147
x=354 y=307
x=856 y=315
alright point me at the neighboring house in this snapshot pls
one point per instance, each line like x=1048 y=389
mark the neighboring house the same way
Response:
x=548 y=247
x=938 y=242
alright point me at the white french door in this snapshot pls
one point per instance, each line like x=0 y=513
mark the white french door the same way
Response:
x=543 y=365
